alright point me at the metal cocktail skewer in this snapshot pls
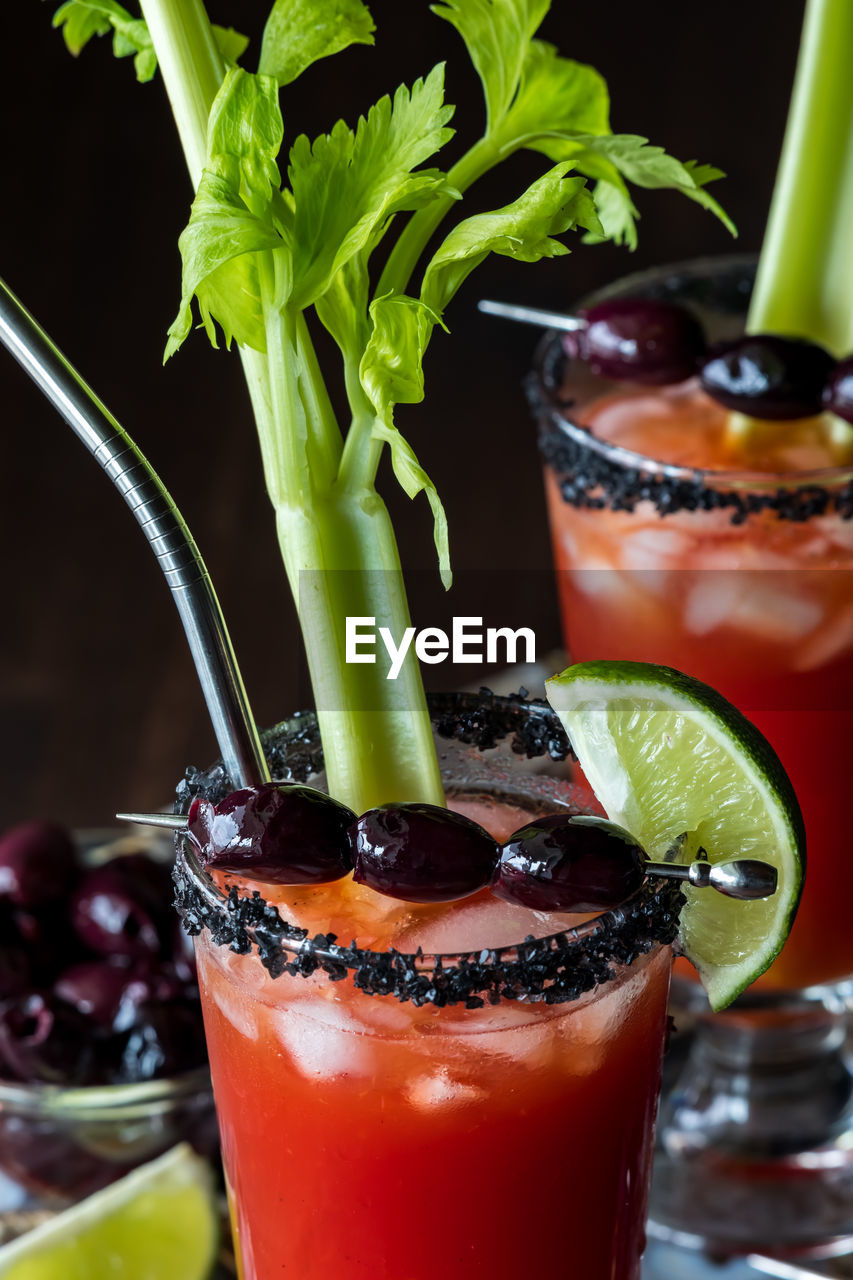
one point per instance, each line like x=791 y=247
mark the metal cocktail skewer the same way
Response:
x=163 y=526
x=532 y=315
x=743 y=878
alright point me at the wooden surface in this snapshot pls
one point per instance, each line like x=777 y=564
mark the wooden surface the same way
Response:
x=99 y=706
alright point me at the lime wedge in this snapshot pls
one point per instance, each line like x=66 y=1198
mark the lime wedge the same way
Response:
x=157 y=1223
x=667 y=755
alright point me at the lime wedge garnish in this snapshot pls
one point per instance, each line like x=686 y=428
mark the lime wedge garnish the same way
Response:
x=667 y=755
x=157 y=1223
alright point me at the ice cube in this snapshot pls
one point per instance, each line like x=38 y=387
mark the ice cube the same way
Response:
x=439 y=1089
x=382 y=1015
x=480 y=925
x=654 y=548
x=710 y=601
x=774 y=613
x=598 y=577
x=829 y=642
x=569 y=545
x=841 y=533
x=531 y=1045
x=236 y=1009
x=323 y=1039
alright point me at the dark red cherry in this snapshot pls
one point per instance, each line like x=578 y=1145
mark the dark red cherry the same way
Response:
x=44 y=1039
x=38 y=863
x=163 y=1041
x=768 y=376
x=15 y=971
x=421 y=853
x=571 y=862
x=48 y=939
x=838 y=393
x=115 y=913
x=639 y=340
x=279 y=833
x=94 y=988
x=158 y=985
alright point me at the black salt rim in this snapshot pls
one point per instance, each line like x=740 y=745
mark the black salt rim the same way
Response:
x=554 y=969
x=595 y=474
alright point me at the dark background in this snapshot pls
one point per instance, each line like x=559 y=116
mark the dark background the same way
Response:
x=99 y=705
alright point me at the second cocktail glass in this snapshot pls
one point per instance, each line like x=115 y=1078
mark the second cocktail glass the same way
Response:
x=674 y=543
x=464 y=1104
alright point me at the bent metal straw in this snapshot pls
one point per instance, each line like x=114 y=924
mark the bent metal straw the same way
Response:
x=164 y=527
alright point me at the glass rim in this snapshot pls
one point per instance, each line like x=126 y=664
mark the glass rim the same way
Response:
x=559 y=431
x=427 y=962
x=590 y=953
x=79 y=1101
x=746 y=479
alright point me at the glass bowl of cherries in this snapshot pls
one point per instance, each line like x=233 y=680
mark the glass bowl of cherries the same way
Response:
x=102 y=1056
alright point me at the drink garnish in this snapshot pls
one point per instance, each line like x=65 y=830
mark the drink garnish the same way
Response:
x=260 y=256
x=652 y=343
x=156 y=1223
x=281 y=834
x=686 y=773
x=421 y=853
x=290 y=834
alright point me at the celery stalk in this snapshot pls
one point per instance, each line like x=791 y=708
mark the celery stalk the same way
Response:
x=804 y=286
x=258 y=254
x=337 y=542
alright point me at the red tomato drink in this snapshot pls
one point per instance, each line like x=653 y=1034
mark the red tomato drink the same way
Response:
x=760 y=605
x=376 y=1138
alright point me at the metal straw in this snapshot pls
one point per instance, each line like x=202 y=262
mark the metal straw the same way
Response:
x=163 y=526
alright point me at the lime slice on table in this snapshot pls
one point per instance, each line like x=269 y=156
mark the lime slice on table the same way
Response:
x=157 y=1223
x=668 y=755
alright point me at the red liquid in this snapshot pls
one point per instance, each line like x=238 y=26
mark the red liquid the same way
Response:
x=763 y=611
x=366 y=1139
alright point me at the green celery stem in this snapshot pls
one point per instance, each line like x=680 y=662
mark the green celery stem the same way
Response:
x=420 y=228
x=192 y=70
x=337 y=541
x=376 y=732
x=804 y=286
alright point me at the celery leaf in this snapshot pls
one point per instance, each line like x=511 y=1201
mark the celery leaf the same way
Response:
x=636 y=160
x=497 y=34
x=702 y=174
x=617 y=212
x=215 y=245
x=343 y=308
x=555 y=95
x=82 y=19
x=233 y=215
x=79 y=23
x=245 y=129
x=391 y=369
x=522 y=230
x=346 y=185
x=391 y=372
x=299 y=32
x=414 y=480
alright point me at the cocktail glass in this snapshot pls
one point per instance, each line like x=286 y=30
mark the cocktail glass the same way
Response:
x=670 y=547
x=480 y=1106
